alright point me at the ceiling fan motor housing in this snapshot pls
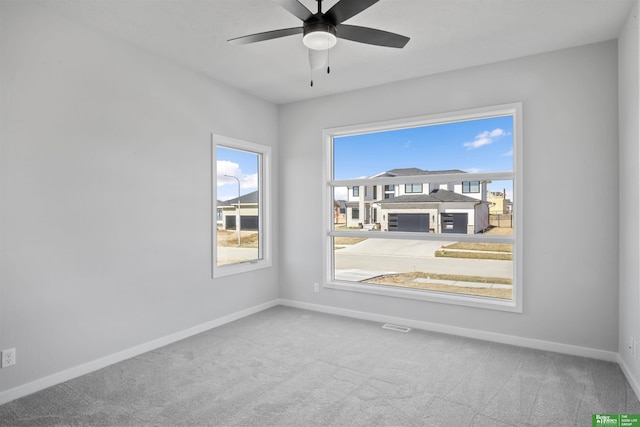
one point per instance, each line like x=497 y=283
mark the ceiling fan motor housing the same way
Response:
x=319 y=35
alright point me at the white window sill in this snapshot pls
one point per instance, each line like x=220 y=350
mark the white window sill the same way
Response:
x=243 y=267
x=422 y=295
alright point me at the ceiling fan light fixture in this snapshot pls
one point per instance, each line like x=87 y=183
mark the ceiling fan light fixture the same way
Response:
x=319 y=36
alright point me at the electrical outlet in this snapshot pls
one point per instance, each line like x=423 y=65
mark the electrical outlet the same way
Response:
x=316 y=287
x=8 y=357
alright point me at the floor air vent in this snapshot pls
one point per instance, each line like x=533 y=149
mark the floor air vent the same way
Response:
x=396 y=327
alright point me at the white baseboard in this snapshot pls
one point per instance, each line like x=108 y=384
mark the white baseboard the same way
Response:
x=627 y=373
x=68 y=374
x=555 y=347
x=103 y=362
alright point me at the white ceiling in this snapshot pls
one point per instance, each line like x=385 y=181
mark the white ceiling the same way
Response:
x=445 y=35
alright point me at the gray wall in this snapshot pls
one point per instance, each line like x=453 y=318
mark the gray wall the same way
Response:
x=629 y=94
x=106 y=205
x=570 y=164
x=105 y=193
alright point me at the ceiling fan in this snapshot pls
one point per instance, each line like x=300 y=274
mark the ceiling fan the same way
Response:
x=321 y=30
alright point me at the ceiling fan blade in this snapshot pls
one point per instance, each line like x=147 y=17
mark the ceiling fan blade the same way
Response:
x=296 y=8
x=267 y=35
x=371 y=36
x=346 y=9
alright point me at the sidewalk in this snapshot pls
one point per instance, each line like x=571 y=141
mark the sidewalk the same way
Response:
x=464 y=284
x=360 y=275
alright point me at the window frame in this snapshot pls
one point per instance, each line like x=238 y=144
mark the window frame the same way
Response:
x=469 y=185
x=516 y=303
x=264 y=206
x=413 y=184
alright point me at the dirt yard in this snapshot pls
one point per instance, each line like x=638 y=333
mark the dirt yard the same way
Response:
x=228 y=238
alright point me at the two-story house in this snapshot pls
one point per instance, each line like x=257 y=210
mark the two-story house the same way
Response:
x=442 y=207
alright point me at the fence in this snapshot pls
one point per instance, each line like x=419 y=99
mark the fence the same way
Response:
x=501 y=220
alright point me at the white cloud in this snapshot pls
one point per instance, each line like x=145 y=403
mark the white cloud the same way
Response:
x=508 y=153
x=478 y=142
x=485 y=138
x=473 y=170
x=249 y=181
x=225 y=167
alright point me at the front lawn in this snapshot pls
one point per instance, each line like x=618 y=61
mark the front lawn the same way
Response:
x=477 y=250
x=408 y=280
x=477 y=246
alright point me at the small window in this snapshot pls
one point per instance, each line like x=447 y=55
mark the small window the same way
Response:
x=413 y=188
x=356 y=191
x=355 y=213
x=471 y=186
x=241 y=192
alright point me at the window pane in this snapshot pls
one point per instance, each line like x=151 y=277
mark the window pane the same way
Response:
x=484 y=145
x=471 y=187
x=420 y=188
x=413 y=188
x=481 y=269
x=238 y=209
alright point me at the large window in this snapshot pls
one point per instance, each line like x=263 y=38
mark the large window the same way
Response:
x=446 y=244
x=240 y=192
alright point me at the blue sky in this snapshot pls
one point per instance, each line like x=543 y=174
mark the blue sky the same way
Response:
x=241 y=164
x=484 y=145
